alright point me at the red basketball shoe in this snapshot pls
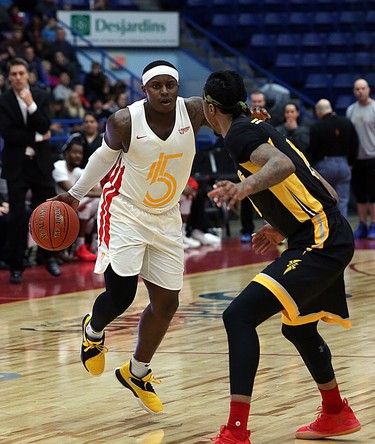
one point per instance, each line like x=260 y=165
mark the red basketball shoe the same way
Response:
x=330 y=424
x=226 y=437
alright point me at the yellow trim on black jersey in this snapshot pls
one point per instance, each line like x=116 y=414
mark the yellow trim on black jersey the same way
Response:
x=291 y=315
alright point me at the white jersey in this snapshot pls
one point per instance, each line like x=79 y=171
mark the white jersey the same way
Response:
x=154 y=172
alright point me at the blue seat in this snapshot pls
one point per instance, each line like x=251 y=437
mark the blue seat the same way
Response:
x=363 y=40
x=225 y=27
x=313 y=62
x=325 y=21
x=363 y=61
x=222 y=6
x=343 y=81
x=369 y=20
x=251 y=6
x=318 y=85
x=288 y=42
x=313 y=41
x=276 y=22
x=121 y=5
x=249 y=24
x=300 y=21
x=199 y=11
x=301 y=5
x=342 y=103
x=351 y=20
x=327 y=5
x=287 y=66
x=80 y=4
x=275 y=5
x=339 y=62
x=338 y=41
x=262 y=49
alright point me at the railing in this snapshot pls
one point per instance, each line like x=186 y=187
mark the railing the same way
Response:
x=133 y=82
x=238 y=60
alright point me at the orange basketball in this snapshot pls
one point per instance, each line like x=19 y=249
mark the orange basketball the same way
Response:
x=54 y=225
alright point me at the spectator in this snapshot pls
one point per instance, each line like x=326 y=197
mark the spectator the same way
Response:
x=46 y=9
x=60 y=44
x=80 y=90
x=118 y=102
x=12 y=46
x=51 y=80
x=90 y=135
x=66 y=173
x=27 y=161
x=61 y=63
x=35 y=65
x=276 y=97
x=74 y=107
x=63 y=90
x=292 y=130
x=48 y=32
x=187 y=197
x=99 y=110
x=362 y=114
x=96 y=84
x=333 y=150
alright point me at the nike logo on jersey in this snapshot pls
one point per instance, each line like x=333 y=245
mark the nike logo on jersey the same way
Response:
x=141 y=137
x=292 y=265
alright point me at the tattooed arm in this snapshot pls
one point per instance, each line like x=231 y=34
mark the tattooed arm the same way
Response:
x=275 y=167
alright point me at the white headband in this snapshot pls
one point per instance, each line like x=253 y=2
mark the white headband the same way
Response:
x=159 y=70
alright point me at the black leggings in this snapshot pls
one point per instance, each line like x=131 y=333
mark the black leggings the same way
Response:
x=118 y=296
x=253 y=306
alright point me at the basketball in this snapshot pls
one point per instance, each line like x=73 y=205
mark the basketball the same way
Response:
x=54 y=225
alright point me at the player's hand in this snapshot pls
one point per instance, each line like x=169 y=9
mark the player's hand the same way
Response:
x=266 y=239
x=259 y=113
x=226 y=192
x=68 y=199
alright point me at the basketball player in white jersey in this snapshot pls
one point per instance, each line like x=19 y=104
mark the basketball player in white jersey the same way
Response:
x=146 y=155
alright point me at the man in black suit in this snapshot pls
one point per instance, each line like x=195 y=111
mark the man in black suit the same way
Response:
x=27 y=162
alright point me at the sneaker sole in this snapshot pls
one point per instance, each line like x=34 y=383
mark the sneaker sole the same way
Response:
x=313 y=435
x=125 y=384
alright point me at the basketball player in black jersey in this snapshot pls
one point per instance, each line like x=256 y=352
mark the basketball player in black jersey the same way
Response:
x=306 y=283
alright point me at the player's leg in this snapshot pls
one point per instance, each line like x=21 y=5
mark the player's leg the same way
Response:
x=118 y=296
x=253 y=306
x=136 y=374
x=335 y=416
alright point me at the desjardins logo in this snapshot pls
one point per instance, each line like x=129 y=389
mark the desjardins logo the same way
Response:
x=81 y=23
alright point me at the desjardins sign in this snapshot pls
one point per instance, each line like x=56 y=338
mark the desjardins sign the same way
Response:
x=124 y=28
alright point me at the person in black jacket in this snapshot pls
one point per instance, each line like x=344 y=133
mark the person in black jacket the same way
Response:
x=333 y=150
x=27 y=162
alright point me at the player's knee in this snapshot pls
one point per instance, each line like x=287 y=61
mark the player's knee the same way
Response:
x=290 y=333
x=230 y=316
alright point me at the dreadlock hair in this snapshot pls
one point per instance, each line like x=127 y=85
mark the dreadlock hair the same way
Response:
x=226 y=90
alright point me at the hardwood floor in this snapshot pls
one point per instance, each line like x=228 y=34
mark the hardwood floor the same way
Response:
x=48 y=397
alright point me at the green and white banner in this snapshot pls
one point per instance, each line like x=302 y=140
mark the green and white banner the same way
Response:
x=124 y=28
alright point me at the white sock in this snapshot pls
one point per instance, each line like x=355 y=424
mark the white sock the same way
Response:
x=92 y=334
x=139 y=369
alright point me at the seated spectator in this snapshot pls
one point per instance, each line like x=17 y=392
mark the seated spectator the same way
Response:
x=63 y=90
x=189 y=193
x=60 y=63
x=97 y=85
x=60 y=44
x=100 y=112
x=66 y=173
x=90 y=136
x=35 y=65
x=51 y=80
x=12 y=46
x=80 y=90
x=118 y=102
x=48 y=32
x=298 y=134
x=46 y=9
x=74 y=107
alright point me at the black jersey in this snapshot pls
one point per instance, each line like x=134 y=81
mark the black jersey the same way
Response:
x=290 y=203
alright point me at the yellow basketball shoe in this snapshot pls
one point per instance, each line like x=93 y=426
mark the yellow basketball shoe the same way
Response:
x=141 y=387
x=92 y=352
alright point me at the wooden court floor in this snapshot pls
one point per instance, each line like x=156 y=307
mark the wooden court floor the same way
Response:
x=47 y=397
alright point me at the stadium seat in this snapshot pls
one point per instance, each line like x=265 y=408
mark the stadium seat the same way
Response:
x=199 y=11
x=351 y=20
x=325 y=21
x=327 y=5
x=276 y=22
x=339 y=62
x=369 y=20
x=338 y=41
x=223 y=6
x=262 y=49
x=318 y=85
x=343 y=81
x=287 y=66
x=313 y=62
x=363 y=40
x=80 y=4
x=275 y=5
x=300 y=21
x=127 y=5
x=224 y=26
x=363 y=61
x=251 y=6
x=288 y=42
x=249 y=24
x=312 y=41
x=342 y=103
